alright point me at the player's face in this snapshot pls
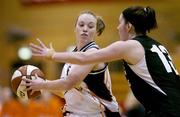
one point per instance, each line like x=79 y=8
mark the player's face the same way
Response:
x=86 y=27
x=122 y=28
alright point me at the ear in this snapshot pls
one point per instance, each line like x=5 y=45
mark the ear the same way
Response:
x=129 y=26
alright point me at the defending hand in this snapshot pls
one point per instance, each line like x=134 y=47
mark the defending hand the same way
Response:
x=41 y=50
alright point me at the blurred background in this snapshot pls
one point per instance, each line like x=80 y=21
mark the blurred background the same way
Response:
x=22 y=21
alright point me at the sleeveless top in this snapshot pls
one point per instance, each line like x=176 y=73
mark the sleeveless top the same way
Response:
x=94 y=94
x=154 y=80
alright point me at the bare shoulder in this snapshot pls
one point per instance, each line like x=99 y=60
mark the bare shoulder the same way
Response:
x=128 y=43
x=133 y=43
x=125 y=46
x=134 y=51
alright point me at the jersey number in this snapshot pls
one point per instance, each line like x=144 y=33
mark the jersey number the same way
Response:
x=161 y=51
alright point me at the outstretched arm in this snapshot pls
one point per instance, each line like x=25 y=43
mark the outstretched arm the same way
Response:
x=110 y=53
x=131 y=51
x=107 y=54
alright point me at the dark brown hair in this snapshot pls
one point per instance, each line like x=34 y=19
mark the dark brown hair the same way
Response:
x=143 y=19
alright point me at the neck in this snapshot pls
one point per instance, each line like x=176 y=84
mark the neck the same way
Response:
x=134 y=35
x=81 y=44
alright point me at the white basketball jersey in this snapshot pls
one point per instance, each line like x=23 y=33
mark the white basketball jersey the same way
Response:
x=94 y=94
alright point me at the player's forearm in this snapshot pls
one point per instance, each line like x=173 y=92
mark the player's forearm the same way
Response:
x=57 y=85
x=93 y=57
x=70 y=57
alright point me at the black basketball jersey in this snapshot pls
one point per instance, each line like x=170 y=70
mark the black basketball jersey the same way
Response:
x=154 y=80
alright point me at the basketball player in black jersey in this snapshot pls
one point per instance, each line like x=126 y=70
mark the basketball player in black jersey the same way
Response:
x=149 y=69
x=87 y=88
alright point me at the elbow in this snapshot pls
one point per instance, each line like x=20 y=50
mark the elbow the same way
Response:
x=70 y=82
x=67 y=85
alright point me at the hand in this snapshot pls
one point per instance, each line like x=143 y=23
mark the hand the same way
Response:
x=42 y=50
x=34 y=85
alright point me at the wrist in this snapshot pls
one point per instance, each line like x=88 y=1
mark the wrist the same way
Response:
x=50 y=53
x=44 y=84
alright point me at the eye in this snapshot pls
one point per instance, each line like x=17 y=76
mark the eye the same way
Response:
x=81 y=24
x=91 y=25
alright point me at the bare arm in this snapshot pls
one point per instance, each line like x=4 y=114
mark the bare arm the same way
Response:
x=110 y=53
x=131 y=51
x=75 y=75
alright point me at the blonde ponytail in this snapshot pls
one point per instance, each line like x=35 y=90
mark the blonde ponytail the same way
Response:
x=100 y=25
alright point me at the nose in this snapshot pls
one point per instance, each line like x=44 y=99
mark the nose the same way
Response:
x=85 y=29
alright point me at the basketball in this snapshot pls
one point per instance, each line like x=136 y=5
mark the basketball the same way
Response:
x=26 y=71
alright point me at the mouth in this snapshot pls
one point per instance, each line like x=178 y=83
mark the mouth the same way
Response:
x=84 y=34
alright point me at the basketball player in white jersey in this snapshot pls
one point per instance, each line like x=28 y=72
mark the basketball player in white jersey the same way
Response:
x=149 y=69
x=87 y=88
